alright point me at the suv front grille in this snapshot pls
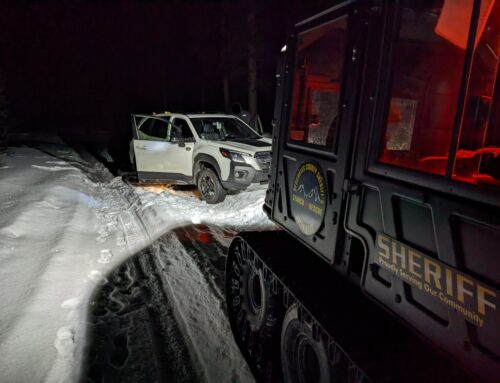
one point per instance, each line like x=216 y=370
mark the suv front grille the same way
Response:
x=264 y=160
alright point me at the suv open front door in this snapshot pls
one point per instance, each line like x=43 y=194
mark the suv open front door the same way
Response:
x=321 y=77
x=161 y=153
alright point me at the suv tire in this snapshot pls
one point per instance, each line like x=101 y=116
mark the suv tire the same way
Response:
x=211 y=190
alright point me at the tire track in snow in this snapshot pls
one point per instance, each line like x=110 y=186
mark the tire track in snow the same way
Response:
x=135 y=335
x=201 y=313
x=176 y=293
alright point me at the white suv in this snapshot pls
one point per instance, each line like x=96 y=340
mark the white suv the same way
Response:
x=216 y=152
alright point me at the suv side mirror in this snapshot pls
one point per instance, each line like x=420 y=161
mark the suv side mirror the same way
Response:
x=181 y=142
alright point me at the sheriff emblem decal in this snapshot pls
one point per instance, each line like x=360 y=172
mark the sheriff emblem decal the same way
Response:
x=309 y=198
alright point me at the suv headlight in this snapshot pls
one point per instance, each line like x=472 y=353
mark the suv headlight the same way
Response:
x=242 y=158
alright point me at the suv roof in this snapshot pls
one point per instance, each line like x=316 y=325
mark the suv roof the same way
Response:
x=189 y=115
x=202 y=115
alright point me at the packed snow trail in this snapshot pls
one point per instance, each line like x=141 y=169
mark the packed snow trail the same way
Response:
x=65 y=224
x=133 y=314
x=133 y=335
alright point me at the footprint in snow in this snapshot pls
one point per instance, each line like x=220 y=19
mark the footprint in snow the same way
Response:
x=70 y=304
x=120 y=240
x=196 y=220
x=97 y=277
x=105 y=256
x=65 y=340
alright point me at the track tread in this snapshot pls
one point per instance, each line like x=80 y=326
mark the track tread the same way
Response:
x=390 y=352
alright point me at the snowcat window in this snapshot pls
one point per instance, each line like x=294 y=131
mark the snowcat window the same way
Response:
x=427 y=72
x=316 y=85
x=477 y=159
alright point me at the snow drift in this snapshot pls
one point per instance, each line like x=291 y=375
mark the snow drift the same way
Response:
x=65 y=223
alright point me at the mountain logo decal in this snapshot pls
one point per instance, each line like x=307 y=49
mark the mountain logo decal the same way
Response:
x=309 y=197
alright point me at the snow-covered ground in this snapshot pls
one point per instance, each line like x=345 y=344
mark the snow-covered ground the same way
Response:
x=65 y=223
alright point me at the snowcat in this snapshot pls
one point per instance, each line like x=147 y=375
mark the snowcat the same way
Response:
x=385 y=183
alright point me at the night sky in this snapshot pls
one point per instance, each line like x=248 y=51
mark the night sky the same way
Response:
x=80 y=68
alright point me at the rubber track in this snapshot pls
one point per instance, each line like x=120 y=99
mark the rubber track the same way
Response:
x=380 y=345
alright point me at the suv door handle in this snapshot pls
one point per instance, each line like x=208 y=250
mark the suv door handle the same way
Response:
x=188 y=149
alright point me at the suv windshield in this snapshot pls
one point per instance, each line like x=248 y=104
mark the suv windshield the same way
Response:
x=222 y=128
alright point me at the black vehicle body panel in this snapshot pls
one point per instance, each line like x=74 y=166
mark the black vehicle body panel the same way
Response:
x=161 y=177
x=250 y=176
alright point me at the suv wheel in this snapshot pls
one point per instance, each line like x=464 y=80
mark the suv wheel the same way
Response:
x=210 y=187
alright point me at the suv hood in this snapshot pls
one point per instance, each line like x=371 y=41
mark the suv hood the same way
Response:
x=247 y=145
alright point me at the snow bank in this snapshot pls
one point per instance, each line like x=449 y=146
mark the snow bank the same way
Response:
x=64 y=225
x=173 y=208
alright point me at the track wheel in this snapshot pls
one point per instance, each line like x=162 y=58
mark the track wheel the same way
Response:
x=304 y=359
x=255 y=310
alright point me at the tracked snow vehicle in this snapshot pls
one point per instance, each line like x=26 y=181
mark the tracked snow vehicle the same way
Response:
x=385 y=181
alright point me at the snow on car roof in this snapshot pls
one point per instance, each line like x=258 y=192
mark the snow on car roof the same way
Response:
x=211 y=115
x=189 y=115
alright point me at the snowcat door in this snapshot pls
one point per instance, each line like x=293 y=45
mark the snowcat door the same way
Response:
x=315 y=127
